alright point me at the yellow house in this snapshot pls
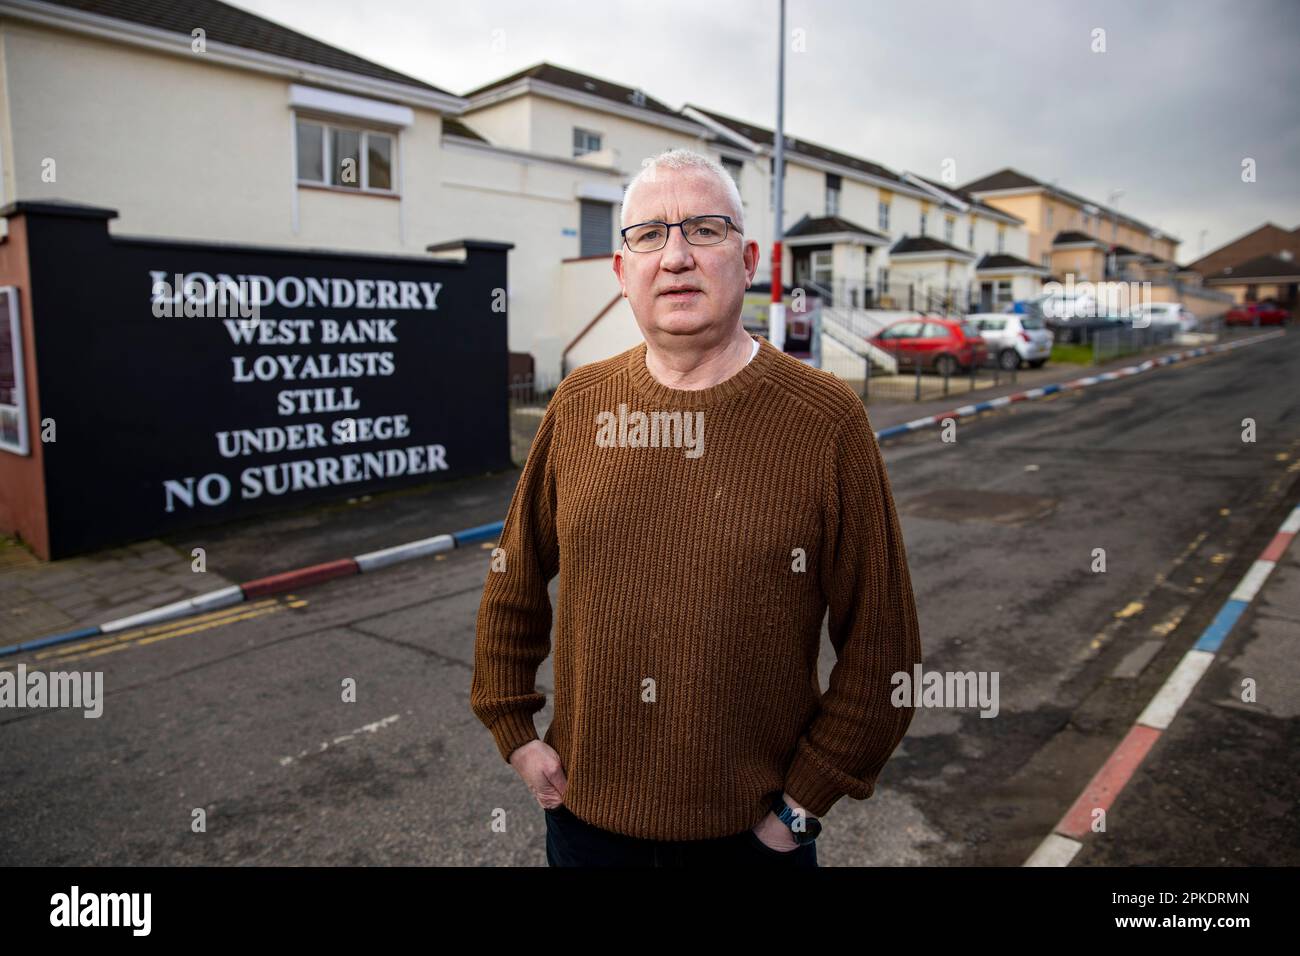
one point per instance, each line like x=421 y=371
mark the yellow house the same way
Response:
x=1068 y=233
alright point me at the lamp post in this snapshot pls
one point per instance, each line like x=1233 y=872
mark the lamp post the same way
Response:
x=776 y=315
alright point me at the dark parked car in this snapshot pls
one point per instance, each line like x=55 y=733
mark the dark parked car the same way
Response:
x=1077 y=324
x=930 y=342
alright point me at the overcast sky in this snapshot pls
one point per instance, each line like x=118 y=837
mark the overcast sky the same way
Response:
x=1182 y=94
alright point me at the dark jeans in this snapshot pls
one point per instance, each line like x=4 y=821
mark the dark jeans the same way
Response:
x=572 y=841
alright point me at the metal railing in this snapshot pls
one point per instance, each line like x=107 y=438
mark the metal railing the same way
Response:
x=531 y=392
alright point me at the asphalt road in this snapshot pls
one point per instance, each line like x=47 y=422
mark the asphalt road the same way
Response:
x=241 y=716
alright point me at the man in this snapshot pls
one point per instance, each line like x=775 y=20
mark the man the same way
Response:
x=696 y=567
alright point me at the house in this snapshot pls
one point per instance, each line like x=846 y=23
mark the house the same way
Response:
x=205 y=122
x=1260 y=279
x=1267 y=240
x=1066 y=230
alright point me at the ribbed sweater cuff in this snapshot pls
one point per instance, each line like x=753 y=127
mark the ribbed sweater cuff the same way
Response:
x=511 y=731
x=811 y=787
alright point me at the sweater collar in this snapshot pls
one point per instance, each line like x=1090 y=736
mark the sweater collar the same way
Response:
x=683 y=398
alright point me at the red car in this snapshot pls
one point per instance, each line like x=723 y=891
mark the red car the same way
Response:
x=1256 y=313
x=942 y=344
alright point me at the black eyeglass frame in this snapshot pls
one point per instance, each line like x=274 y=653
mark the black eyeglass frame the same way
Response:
x=668 y=228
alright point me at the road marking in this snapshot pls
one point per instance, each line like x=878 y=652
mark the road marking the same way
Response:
x=370 y=728
x=148 y=635
x=1105 y=786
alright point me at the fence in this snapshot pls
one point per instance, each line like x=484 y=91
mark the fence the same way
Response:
x=1125 y=340
x=531 y=393
x=915 y=383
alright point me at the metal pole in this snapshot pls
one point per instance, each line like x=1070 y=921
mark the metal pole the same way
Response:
x=776 y=320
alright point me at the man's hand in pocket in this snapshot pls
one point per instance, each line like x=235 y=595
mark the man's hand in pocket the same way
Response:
x=771 y=831
x=543 y=773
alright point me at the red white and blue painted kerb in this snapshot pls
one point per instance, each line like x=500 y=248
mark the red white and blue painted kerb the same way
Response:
x=317 y=573
x=275 y=584
x=967 y=410
x=1066 y=839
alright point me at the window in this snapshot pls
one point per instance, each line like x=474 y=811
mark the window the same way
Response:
x=733 y=166
x=948 y=225
x=13 y=397
x=1002 y=239
x=1046 y=260
x=884 y=216
x=970 y=235
x=1050 y=210
x=585 y=141
x=1002 y=293
x=923 y=222
x=771 y=183
x=595 y=228
x=903 y=330
x=820 y=261
x=349 y=158
x=882 y=278
x=935 y=330
x=833 y=183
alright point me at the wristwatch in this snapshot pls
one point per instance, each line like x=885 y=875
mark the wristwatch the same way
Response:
x=787 y=815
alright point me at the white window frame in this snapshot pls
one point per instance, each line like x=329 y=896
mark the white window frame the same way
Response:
x=821 y=262
x=327 y=165
x=882 y=216
x=13 y=319
x=587 y=135
x=949 y=227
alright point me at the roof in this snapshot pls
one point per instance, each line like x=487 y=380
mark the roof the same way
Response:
x=454 y=127
x=1003 y=179
x=1013 y=179
x=582 y=83
x=1004 y=260
x=1268 y=239
x=766 y=137
x=825 y=225
x=924 y=244
x=966 y=197
x=224 y=23
x=1071 y=235
x=1261 y=267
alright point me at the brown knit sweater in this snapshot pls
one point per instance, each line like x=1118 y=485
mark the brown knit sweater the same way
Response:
x=695 y=573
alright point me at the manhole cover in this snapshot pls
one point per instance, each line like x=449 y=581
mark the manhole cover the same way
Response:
x=958 y=504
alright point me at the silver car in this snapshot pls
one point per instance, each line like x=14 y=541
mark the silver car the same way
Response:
x=1152 y=314
x=1013 y=338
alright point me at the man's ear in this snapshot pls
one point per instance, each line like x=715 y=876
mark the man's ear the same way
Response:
x=617 y=264
x=751 y=256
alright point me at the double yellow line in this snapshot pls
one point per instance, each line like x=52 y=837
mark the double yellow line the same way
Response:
x=139 y=637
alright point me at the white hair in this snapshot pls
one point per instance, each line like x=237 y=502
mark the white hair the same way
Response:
x=689 y=160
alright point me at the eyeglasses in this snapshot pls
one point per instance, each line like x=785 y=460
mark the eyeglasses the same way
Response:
x=698 y=231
